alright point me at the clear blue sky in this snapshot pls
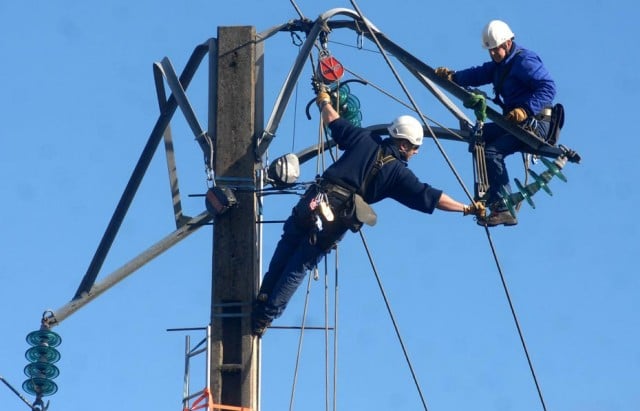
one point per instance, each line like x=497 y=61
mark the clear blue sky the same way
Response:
x=79 y=103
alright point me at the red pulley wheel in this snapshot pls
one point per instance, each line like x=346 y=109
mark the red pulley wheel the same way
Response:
x=330 y=69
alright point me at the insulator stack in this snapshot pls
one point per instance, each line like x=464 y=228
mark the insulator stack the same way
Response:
x=41 y=356
x=511 y=200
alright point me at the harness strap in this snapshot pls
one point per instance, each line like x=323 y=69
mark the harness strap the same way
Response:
x=379 y=162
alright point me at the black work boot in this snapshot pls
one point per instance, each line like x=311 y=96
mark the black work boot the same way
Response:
x=259 y=320
x=497 y=218
x=259 y=326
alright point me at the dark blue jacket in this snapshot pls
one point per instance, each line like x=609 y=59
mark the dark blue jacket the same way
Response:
x=527 y=85
x=395 y=180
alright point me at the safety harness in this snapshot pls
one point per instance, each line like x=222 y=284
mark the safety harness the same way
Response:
x=328 y=200
x=348 y=202
x=379 y=162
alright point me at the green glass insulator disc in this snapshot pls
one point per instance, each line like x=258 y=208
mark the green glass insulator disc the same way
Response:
x=41 y=370
x=40 y=386
x=42 y=353
x=524 y=193
x=554 y=169
x=507 y=201
x=44 y=337
x=542 y=183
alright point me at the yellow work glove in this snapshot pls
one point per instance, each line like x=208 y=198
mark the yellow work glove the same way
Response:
x=321 y=98
x=444 y=73
x=517 y=115
x=476 y=208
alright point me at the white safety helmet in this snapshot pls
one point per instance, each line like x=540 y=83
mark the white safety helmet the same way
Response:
x=408 y=128
x=495 y=33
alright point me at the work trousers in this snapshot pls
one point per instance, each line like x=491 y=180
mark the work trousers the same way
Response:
x=498 y=145
x=298 y=251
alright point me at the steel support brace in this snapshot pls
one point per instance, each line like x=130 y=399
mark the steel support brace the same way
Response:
x=423 y=72
x=123 y=272
x=286 y=91
x=174 y=186
x=138 y=173
x=181 y=97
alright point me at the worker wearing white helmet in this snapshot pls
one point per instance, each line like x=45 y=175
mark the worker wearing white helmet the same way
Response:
x=370 y=169
x=524 y=90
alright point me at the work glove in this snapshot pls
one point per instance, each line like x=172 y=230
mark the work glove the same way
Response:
x=445 y=73
x=476 y=208
x=321 y=98
x=322 y=92
x=517 y=115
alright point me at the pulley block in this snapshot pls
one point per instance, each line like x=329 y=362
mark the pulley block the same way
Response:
x=329 y=68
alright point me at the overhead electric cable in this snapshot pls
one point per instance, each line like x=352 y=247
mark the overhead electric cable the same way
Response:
x=375 y=39
x=411 y=99
x=397 y=100
x=393 y=320
x=295 y=6
x=515 y=319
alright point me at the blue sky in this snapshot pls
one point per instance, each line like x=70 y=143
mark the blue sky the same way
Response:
x=79 y=103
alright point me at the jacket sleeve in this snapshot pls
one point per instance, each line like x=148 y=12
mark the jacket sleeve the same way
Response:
x=475 y=76
x=344 y=133
x=408 y=190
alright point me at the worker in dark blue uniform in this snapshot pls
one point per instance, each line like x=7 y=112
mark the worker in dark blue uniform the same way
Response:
x=369 y=170
x=523 y=89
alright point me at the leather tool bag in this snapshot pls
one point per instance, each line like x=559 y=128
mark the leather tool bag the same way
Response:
x=555 y=124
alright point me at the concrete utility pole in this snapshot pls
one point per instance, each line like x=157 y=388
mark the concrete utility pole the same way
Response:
x=237 y=113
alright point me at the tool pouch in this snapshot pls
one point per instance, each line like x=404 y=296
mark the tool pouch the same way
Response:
x=357 y=212
x=555 y=124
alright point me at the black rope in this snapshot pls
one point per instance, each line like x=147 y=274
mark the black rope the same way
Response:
x=515 y=318
x=295 y=6
x=399 y=101
x=393 y=320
